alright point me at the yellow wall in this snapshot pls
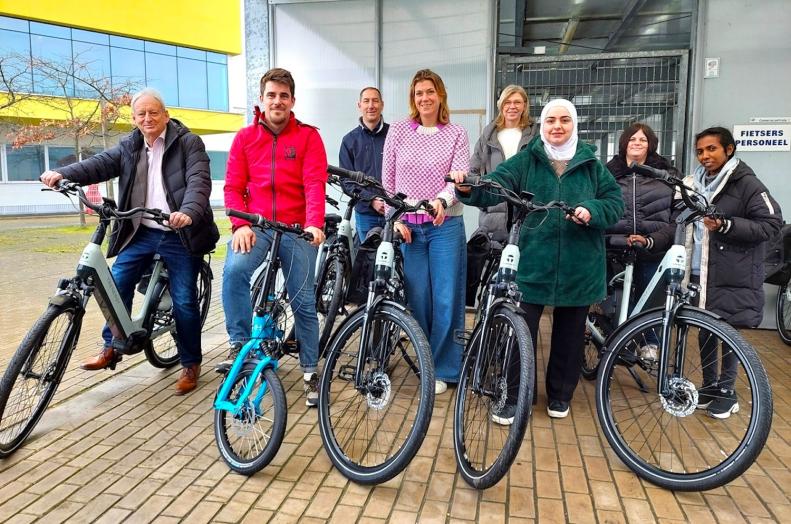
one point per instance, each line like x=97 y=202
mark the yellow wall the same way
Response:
x=35 y=109
x=205 y=24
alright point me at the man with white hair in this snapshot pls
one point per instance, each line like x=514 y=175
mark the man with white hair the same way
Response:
x=161 y=165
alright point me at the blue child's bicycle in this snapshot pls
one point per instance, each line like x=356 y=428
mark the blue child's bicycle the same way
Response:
x=250 y=408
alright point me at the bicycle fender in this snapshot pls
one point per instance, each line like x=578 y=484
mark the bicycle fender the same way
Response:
x=652 y=311
x=514 y=308
x=63 y=299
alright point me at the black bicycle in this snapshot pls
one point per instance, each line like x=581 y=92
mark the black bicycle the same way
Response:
x=495 y=392
x=376 y=392
x=38 y=365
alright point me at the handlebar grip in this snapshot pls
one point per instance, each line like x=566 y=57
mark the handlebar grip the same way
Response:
x=469 y=179
x=618 y=241
x=354 y=176
x=250 y=217
x=659 y=174
x=331 y=201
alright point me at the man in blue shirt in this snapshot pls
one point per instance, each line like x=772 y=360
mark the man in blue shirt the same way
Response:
x=361 y=150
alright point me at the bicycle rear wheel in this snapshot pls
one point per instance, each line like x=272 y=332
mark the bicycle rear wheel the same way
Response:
x=663 y=438
x=162 y=349
x=249 y=440
x=330 y=290
x=485 y=444
x=33 y=375
x=783 y=314
x=371 y=432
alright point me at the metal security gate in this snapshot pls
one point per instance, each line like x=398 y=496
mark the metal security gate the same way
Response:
x=611 y=91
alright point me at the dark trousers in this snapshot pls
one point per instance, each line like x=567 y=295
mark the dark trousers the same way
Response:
x=566 y=350
x=724 y=374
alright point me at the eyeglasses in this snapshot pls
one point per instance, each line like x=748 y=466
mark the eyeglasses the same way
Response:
x=515 y=103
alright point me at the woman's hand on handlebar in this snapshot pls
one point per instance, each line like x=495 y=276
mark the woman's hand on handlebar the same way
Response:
x=439 y=212
x=712 y=224
x=639 y=240
x=50 y=178
x=318 y=235
x=458 y=178
x=581 y=216
x=404 y=231
x=243 y=239
x=178 y=220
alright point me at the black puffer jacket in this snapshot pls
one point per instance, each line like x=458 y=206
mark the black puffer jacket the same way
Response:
x=732 y=262
x=647 y=201
x=185 y=176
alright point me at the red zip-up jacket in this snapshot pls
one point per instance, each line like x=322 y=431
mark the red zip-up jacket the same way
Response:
x=281 y=177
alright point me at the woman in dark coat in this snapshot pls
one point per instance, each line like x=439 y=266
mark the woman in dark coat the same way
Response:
x=725 y=256
x=647 y=203
x=562 y=259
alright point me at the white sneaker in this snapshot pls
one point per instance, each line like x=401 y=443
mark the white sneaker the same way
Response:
x=648 y=352
x=440 y=387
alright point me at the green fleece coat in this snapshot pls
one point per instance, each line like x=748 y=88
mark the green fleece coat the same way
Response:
x=561 y=263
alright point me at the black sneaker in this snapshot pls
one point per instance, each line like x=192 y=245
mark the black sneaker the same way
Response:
x=706 y=395
x=311 y=386
x=724 y=404
x=233 y=352
x=505 y=415
x=558 y=409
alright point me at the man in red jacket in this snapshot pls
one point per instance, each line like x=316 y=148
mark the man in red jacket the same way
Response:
x=277 y=167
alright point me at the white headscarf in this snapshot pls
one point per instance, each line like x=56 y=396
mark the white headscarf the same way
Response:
x=565 y=151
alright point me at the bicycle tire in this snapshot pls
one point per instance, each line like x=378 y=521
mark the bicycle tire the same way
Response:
x=34 y=373
x=485 y=449
x=685 y=442
x=243 y=454
x=783 y=315
x=161 y=349
x=591 y=357
x=330 y=292
x=397 y=396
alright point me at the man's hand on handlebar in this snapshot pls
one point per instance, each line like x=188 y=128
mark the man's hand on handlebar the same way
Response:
x=243 y=239
x=50 y=178
x=318 y=235
x=179 y=220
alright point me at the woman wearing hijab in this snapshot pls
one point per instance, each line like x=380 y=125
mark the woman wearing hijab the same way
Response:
x=562 y=260
x=727 y=256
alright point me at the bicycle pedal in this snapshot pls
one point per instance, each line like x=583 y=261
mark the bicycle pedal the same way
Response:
x=291 y=347
x=222 y=367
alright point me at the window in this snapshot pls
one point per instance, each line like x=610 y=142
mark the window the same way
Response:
x=192 y=83
x=126 y=43
x=91 y=62
x=16 y=47
x=60 y=156
x=161 y=74
x=128 y=66
x=217 y=76
x=218 y=161
x=25 y=164
x=52 y=57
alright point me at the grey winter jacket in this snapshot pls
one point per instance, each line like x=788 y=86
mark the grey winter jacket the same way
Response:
x=488 y=154
x=185 y=176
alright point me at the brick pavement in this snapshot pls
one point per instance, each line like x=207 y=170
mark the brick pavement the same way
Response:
x=118 y=446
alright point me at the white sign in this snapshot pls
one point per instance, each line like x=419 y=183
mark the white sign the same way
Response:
x=712 y=68
x=763 y=137
x=770 y=120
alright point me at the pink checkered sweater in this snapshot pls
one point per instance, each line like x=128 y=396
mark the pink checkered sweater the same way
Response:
x=416 y=164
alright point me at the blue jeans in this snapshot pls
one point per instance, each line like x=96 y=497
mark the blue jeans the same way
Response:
x=298 y=260
x=364 y=223
x=435 y=267
x=182 y=268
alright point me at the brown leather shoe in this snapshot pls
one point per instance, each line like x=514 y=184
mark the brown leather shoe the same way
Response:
x=102 y=360
x=188 y=380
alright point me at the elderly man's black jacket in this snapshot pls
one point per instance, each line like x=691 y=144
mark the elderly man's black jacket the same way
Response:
x=185 y=176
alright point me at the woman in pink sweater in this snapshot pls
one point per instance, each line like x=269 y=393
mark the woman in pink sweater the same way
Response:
x=419 y=152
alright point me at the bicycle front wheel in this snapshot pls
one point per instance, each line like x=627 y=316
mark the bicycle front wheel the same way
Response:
x=662 y=437
x=249 y=440
x=491 y=414
x=330 y=297
x=162 y=350
x=372 y=429
x=783 y=314
x=33 y=375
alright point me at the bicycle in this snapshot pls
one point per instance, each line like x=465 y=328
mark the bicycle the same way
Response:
x=38 y=365
x=652 y=430
x=488 y=426
x=376 y=393
x=250 y=410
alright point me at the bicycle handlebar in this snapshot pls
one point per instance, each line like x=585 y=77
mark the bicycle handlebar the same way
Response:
x=264 y=223
x=693 y=201
x=523 y=200
x=108 y=208
x=358 y=177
